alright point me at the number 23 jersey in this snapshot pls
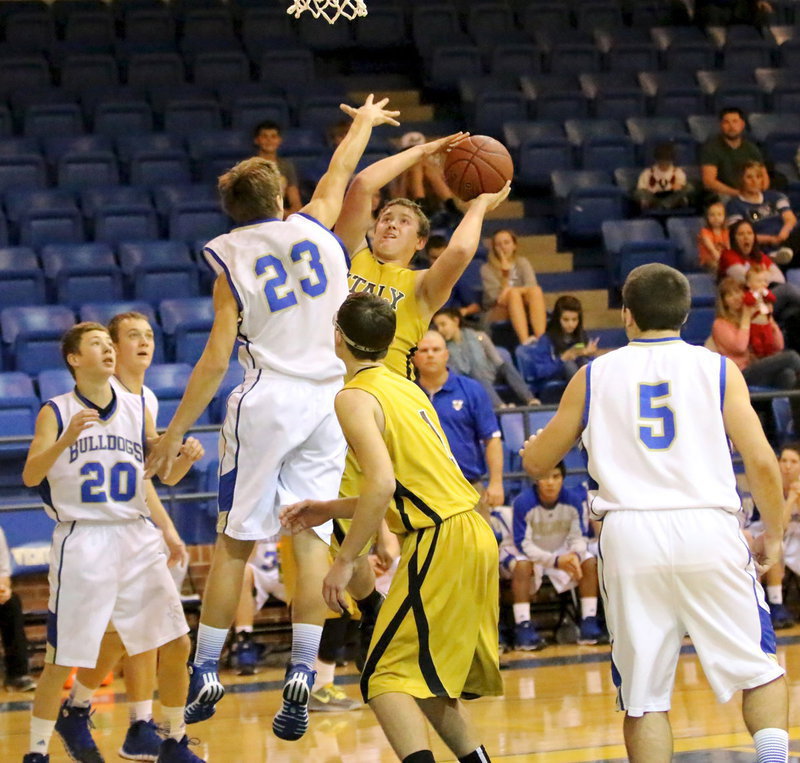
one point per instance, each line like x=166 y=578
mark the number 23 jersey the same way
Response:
x=653 y=429
x=289 y=278
x=101 y=476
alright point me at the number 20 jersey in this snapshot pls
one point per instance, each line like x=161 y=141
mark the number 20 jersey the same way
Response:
x=289 y=278
x=101 y=476
x=653 y=429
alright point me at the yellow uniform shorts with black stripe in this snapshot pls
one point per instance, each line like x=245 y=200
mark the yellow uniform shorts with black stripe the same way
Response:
x=436 y=634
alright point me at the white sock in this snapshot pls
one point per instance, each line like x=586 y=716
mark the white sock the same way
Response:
x=41 y=731
x=772 y=745
x=79 y=695
x=325 y=671
x=305 y=643
x=210 y=642
x=522 y=612
x=174 y=723
x=775 y=594
x=140 y=711
x=588 y=606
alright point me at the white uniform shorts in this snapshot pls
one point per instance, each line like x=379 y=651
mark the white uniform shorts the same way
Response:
x=664 y=574
x=280 y=443
x=109 y=572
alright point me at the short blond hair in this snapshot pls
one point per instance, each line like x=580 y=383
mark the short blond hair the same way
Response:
x=423 y=223
x=250 y=189
x=71 y=341
x=117 y=320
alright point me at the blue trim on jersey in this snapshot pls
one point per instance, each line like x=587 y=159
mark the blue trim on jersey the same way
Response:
x=227 y=481
x=616 y=676
x=768 y=642
x=111 y=408
x=45 y=493
x=723 y=371
x=52 y=623
x=59 y=420
x=144 y=426
x=588 y=396
x=655 y=341
x=338 y=240
x=227 y=276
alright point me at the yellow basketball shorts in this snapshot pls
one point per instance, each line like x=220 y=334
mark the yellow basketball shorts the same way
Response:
x=436 y=634
x=340 y=528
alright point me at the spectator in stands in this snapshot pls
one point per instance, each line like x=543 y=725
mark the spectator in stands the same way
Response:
x=763 y=329
x=549 y=533
x=663 y=185
x=730 y=336
x=12 y=628
x=713 y=238
x=769 y=212
x=565 y=346
x=267 y=139
x=510 y=290
x=467 y=418
x=789 y=462
x=723 y=155
x=472 y=353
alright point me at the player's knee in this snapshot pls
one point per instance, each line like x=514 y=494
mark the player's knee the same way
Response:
x=523 y=569
x=178 y=649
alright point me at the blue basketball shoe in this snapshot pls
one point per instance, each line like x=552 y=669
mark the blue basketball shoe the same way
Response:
x=142 y=741
x=177 y=752
x=74 y=726
x=291 y=721
x=205 y=690
x=35 y=757
x=526 y=638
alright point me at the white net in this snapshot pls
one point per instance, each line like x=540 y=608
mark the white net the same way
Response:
x=330 y=10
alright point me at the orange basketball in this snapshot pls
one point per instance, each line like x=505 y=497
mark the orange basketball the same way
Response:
x=478 y=164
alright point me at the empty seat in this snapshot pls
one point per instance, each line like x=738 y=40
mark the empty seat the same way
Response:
x=515 y=59
x=184 y=117
x=219 y=67
x=103 y=312
x=99 y=198
x=34 y=32
x=702 y=126
x=282 y=66
x=704 y=289
x=607 y=154
x=588 y=208
x=133 y=144
x=561 y=105
x=21 y=278
x=125 y=222
x=786 y=98
x=538 y=157
x=632 y=57
x=54 y=382
x=491 y=23
x=747 y=55
x=168 y=381
x=514 y=133
x=617 y=233
x=249 y=111
x=635 y=253
x=21 y=202
x=156 y=167
x=492 y=110
x=146 y=69
x=566 y=181
x=38 y=227
x=683 y=232
x=194 y=220
x=81 y=170
x=159 y=270
x=620 y=102
x=698 y=325
x=580 y=130
x=33 y=335
x=690 y=56
x=121 y=118
x=90 y=28
x=81 y=71
x=19 y=406
x=57 y=146
x=598 y=15
x=431 y=24
x=41 y=120
x=23 y=73
x=186 y=323
x=80 y=272
x=149 y=26
x=574 y=57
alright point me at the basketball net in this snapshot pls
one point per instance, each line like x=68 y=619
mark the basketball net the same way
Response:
x=330 y=10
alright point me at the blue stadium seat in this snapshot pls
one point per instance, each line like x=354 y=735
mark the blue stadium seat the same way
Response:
x=384 y=27
x=220 y=67
x=490 y=23
x=145 y=69
x=101 y=198
x=431 y=24
x=679 y=100
x=492 y=110
x=21 y=278
x=34 y=32
x=690 y=56
x=53 y=382
x=32 y=335
x=168 y=382
x=635 y=253
x=784 y=421
x=41 y=120
x=19 y=203
x=514 y=133
x=149 y=26
x=167 y=196
x=247 y=112
x=185 y=117
x=515 y=59
x=38 y=227
x=616 y=233
x=537 y=17
x=125 y=222
x=702 y=126
x=632 y=57
x=208 y=144
x=748 y=97
x=86 y=169
x=587 y=208
x=620 y=102
x=80 y=272
x=607 y=153
x=189 y=221
x=23 y=73
x=282 y=66
x=207 y=24
x=156 y=256
x=566 y=181
x=450 y=63
x=704 y=289
x=186 y=324
x=19 y=406
x=598 y=15
x=132 y=144
x=57 y=146
x=150 y=168
x=573 y=57
x=155 y=285
x=539 y=157
x=644 y=129
x=114 y=119
x=580 y=130
x=763 y=125
x=698 y=325
x=103 y=312
x=683 y=232
x=745 y=56
x=81 y=71
x=786 y=98
x=93 y=29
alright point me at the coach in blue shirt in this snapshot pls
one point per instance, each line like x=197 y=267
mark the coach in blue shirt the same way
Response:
x=467 y=417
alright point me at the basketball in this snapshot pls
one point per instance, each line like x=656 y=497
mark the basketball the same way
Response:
x=478 y=164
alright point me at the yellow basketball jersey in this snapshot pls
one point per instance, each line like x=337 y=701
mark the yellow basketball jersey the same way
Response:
x=429 y=485
x=397 y=285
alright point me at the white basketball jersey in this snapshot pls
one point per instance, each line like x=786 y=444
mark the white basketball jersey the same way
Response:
x=654 y=431
x=101 y=476
x=289 y=278
x=150 y=399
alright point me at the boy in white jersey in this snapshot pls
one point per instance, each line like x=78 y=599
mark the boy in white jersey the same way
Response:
x=655 y=418
x=279 y=286
x=106 y=561
x=133 y=341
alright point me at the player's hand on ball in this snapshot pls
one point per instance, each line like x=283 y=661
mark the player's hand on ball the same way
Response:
x=376 y=112
x=81 y=421
x=192 y=449
x=335 y=584
x=442 y=144
x=303 y=515
x=494 y=200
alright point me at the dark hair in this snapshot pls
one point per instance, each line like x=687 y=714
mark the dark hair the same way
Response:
x=368 y=321
x=658 y=297
x=561 y=467
x=755 y=254
x=249 y=190
x=794 y=445
x=731 y=110
x=562 y=342
x=436 y=241
x=451 y=312
x=664 y=152
x=114 y=323
x=267 y=124
x=71 y=341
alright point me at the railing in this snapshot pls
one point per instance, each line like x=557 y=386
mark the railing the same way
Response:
x=170 y=495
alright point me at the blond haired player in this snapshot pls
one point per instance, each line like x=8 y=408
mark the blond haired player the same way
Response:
x=419 y=664
x=106 y=562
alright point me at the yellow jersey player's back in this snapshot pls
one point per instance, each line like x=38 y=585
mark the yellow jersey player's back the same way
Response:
x=429 y=485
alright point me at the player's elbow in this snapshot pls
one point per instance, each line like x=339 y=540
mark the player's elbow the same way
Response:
x=535 y=466
x=29 y=479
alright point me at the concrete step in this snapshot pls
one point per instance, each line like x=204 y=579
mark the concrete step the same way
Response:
x=415 y=112
x=594 y=301
x=507 y=210
x=602 y=319
x=398 y=99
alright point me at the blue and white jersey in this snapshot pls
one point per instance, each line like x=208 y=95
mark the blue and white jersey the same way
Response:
x=101 y=476
x=150 y=399
x=654 y=431
x=289 y=279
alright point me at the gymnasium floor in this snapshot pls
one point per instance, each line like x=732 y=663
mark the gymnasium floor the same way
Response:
x=558 y=708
